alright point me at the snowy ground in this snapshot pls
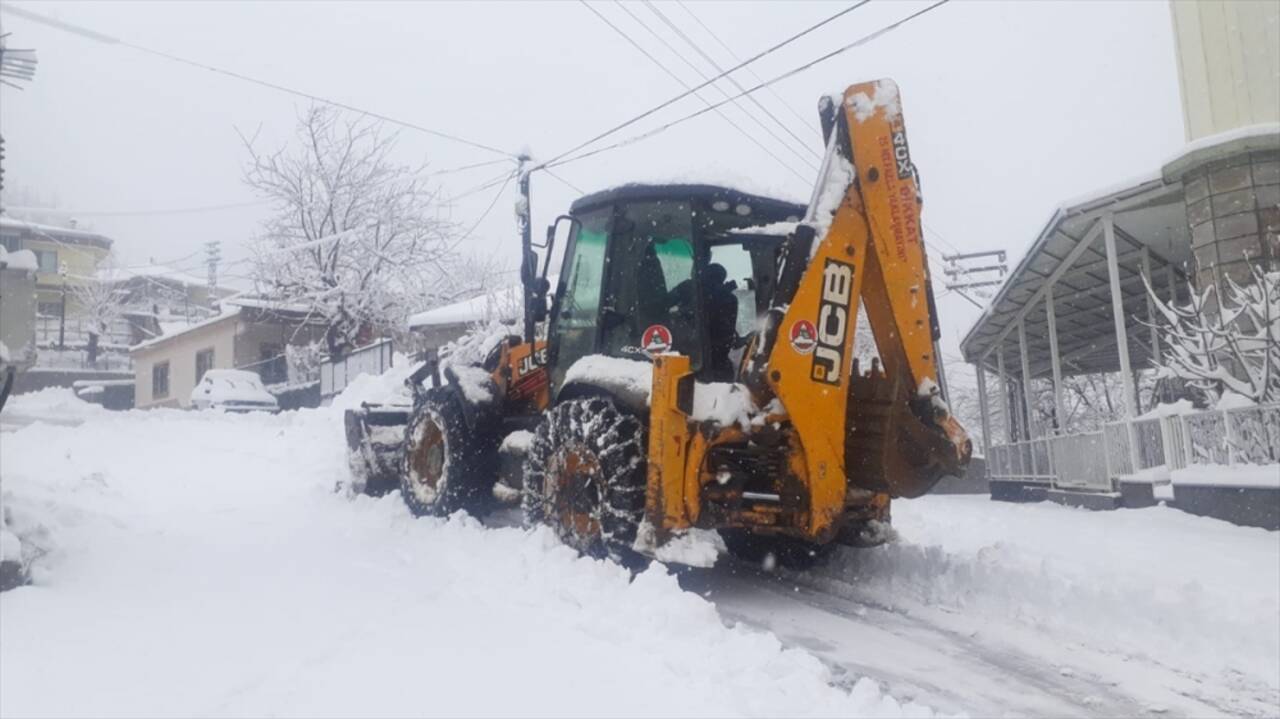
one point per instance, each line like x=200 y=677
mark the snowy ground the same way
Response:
x=200 y=564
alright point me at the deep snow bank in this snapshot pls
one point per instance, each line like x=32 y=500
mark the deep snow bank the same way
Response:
x=1189 y=592
x=200 y=564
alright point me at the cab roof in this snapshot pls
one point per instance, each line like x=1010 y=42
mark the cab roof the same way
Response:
x=767 y=208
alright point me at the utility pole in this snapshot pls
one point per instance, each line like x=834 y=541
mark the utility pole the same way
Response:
x=213 y=253
x=528 y=259
x=963 y=273
x=62 y=311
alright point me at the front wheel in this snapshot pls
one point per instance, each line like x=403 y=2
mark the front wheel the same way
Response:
x=447 y=466
x=585 y=477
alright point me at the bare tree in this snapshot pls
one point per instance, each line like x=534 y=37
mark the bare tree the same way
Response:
x=355 y=237
x=1227 y=343
x=101 y=303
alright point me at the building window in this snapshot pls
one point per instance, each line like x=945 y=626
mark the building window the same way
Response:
x=204 y=363
x=160 y=380
x=49 y=309
x=48 y=260
x=273 y=367
x=10 y=242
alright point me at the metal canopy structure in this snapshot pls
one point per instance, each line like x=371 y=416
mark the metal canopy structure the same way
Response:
x=1145 y=226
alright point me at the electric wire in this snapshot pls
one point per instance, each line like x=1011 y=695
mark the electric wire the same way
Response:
x=564 y=182
x=487 y=210
x=686 y=85
x=109 y=40
x=139 y=213
x=700 y=73
x=687 y=93
x=807 y=123
x=807 y=146
x=562 y=160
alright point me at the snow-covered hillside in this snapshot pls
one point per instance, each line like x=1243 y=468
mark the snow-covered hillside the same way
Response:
x=202 y=564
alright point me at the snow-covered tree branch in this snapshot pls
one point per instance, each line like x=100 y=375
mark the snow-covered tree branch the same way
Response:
x=100 y=304
x=354 y=235
x=1227 y=343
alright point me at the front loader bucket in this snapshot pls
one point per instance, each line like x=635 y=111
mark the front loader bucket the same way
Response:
x=375 y=447
x=890 y=448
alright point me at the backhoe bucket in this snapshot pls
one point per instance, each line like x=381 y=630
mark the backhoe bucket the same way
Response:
x=891 y=449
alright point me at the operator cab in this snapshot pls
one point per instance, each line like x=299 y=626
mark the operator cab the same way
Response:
x=667 y=268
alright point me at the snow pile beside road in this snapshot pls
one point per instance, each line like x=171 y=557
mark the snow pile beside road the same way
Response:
x=1193 y=593
x=203 y=566
x=58 y=405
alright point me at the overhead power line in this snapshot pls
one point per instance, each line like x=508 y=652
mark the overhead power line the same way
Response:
x=689 y=92
x=799 y=154
x=136 y=213
x=560 y=159
x=109 y=40
x=754 y=140
x=804 y=122
x=806 y=146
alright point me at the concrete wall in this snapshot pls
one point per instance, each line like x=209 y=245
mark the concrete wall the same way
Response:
x=180 y=353
x=1228 y=63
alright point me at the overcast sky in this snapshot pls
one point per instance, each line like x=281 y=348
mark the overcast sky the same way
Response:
x=1011 y=108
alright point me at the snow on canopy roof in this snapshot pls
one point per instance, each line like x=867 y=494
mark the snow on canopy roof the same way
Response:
x=153 y=271
x=1264 y=136
x=503 y=304
x=63 y=234
x=1148 y=212
x=20 y=260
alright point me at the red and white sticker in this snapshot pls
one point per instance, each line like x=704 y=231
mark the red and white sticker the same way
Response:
x=804 y=336
x=656 y=340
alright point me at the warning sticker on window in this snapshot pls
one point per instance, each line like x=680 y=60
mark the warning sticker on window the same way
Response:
x=656 y=340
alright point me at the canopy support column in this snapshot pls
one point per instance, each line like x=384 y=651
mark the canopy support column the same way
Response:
x=1026 y=379
x=1060 y=419
x=1122 y=335
x=1004 y=394
x=984 y=411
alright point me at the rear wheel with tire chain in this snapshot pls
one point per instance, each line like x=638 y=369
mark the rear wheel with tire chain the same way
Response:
x=584 y=476
x=447 y=467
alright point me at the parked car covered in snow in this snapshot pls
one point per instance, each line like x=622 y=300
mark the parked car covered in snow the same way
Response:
x=232 y=390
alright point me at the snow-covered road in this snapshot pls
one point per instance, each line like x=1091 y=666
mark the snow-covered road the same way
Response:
x=201 y=564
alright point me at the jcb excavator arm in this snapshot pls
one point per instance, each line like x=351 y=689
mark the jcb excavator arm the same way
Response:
x=889 y=431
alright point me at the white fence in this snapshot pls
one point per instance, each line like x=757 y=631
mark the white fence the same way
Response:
x=1094 y=460
x=371 y=359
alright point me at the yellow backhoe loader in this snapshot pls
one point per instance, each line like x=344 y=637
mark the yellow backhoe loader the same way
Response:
x=698 y=364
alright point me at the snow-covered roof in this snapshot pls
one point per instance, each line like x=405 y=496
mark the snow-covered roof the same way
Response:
x=63 y=234
x=1264 y=136
x=227 y=314
x=152 y=271
x=1148 y=212
x=259 y=303
x=503 y=304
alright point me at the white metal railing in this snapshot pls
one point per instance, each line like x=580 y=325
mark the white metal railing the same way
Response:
x=1094 y=460
x=1028 y=461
